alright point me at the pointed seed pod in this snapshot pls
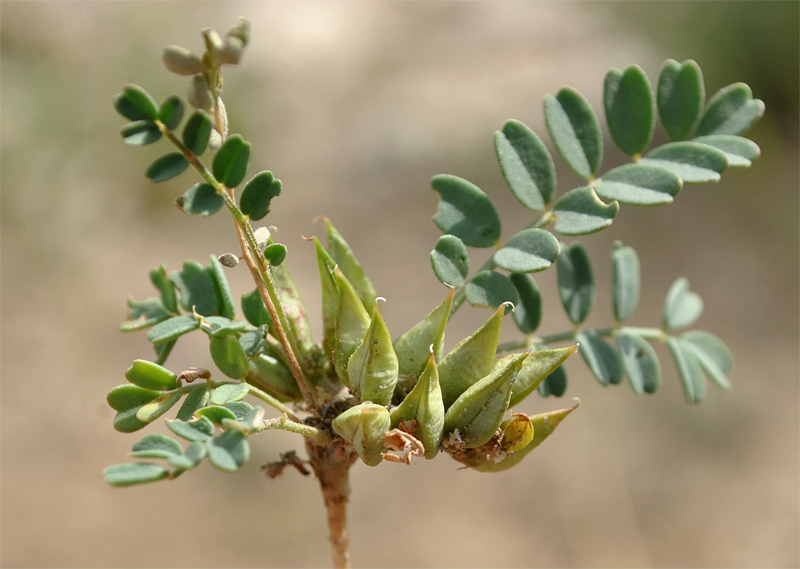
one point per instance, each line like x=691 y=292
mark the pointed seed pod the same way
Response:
x=198 y=94
x=181 y=61
x=424 y=405
x=330 y=298
x=352 y=322
x=478 y=412
x=536 y=368
x=343 y=255
x=471 y=359
x=412 y=348
x=363 y=426
x=372 y=368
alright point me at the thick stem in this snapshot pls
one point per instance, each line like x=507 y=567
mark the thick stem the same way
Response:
x=331 y=464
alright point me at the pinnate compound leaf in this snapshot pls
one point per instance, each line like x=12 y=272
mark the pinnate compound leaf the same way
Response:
x=470 y=360
x=151 y=376
x=125 y=397
x=215 y=413
x=254 y=310
x=161 y=281
x=740 y=151
x=537 y=367
x=196 y=289
x=680 y=96
x=575 y=131
x=156 y=445
x=450 y=261
x=554 y=384
x=602 y=359
x=575 y=282
x=171 y=112
x=689 y=370
x=140 y=132
x=195 y=453
x=693 y=162
x=342 y=254
x=628 y=101
x=527 y=166
x=143 y=314
x=732 y=110
x=492 y=290
x=163 y=350
x=466 y=212
x=227 y=393
x=230 y=162
x=136 y=104
x=580 y=212
x=200 y=199
x=158 y=406
x=240 y=410
x=528 y=312
x=714 y=356
x=258 y=193
x=531 y=250
x=196 y=133
x=683 y=307
x=640 y=363
x=132 y=473
x=167 y=166
x=224 y=295
x=639 y=184
x=228 y=451
x=626 y=281
x=196 y=399
x=172 y=329
x=229 y=356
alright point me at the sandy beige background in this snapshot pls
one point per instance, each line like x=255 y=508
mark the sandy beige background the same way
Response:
x=355 y=105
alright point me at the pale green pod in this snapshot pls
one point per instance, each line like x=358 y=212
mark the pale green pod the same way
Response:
x=471 y=359
x=182 y=61
x=478 y=412
x=536 y=368
x=413 y=347
x=485 y=459
x=363 y=426
x=343 y=255
x=372 y=368
x=330 y=298
x=424 y=405
x=269 y=374
x=352 y=323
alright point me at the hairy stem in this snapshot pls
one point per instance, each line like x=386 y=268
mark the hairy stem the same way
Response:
x=331 y=464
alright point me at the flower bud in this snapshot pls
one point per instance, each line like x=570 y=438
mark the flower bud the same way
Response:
x=372 y=369
x=478 y=412
x=197 y=93
x=240 y=30
x=364 y=426
x=182 y=61
x=230 y=51
x=214 y=140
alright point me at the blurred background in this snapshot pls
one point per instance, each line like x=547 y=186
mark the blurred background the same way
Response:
x=355 y=106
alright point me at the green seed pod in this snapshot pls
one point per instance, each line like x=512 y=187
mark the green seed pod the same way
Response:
x=198 y=94
x=424 y=405
x=372 y=369
x=470 y=360
x=478 y=412
x=536 y=368
x=363 y=426
x=343 y=255
x=330 y=299
x=182 y=61
x=492 y=458
x=269 y=374
x=352 y=322
x=413 y=347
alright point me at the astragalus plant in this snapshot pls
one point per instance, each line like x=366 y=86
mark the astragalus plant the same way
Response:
x=357 y=390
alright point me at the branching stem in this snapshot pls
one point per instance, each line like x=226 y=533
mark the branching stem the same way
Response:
x=527 y=342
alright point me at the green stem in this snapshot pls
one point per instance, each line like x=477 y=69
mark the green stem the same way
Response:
x=270 y=400
x=527 y=342
x=285 y=424
x=259 y=268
